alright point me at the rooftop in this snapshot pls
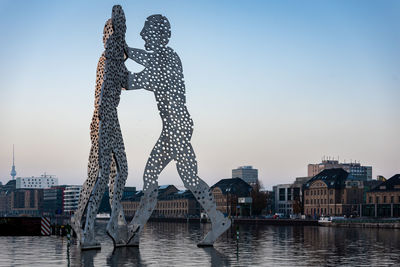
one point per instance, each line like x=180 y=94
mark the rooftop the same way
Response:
x=393 y=184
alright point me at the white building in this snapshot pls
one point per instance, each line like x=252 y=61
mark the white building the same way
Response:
x=71 y=198
x=246 y=173
x=44 y=181
x=288 y=195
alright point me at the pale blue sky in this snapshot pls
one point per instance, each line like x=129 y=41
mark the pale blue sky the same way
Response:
x=273 y=84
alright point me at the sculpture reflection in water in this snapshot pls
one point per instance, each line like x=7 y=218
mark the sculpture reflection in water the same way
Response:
x=163 y=75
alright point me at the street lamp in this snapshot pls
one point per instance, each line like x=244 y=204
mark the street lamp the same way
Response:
x=228 y=190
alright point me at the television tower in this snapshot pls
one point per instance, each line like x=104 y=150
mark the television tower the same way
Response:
x=13 y=171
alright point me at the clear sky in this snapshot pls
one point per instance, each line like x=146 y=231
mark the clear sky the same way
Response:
x=273 y=84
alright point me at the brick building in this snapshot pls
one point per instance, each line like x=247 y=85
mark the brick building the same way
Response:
x=171 y=203
x=227 y=193
x=333 y=192
x=384 y=200
x=27 y=202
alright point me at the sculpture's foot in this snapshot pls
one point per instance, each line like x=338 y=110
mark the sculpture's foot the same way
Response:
x=134 y=242
x=117 y=233
x=218 y=228
x=133 y=235
x=90 y=245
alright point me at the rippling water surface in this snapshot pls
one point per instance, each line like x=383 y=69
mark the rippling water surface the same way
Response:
x=174 y=244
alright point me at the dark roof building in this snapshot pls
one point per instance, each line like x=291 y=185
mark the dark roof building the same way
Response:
x=235 y=186
x=393 y=184
x=333 y=178
x=333 y=192
x=384 y=200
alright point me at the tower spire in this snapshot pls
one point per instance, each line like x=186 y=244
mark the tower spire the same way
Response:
x=13 y=171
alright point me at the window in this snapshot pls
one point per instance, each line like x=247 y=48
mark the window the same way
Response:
x=281 y=194
x=331 y=192
x=377 y=200
x=331 y=201
x=289 y=194
x=370 y=200
x=391 y=199
x=384 y=199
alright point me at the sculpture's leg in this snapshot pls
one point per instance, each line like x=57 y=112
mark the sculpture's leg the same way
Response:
x=187 y=169
x=88 y=240
x=93 y=171
x=116 y=227
x=157 y=161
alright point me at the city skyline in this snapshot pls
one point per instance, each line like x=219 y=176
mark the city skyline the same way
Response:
x=284 y=84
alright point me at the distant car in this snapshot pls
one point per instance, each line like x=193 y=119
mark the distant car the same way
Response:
x=279 y=216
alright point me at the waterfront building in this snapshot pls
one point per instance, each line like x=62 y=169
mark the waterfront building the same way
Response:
x=26 y=202
x=288 y=198
x=171 y=203
x=283 y=198
x=233 y=196
x=5 y=203
x=384 y=199
x=333 y=192
x=354 y=168
x=71 y=198
x=5 y=197
x=44 y=181
x=53 y=200
x=247 y=173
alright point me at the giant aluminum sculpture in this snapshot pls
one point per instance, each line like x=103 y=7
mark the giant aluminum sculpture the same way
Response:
x=107 y=155
x=163 y=75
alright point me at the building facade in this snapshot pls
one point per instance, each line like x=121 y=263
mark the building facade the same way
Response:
x=355 y=169
x=232 y=196
x=71 y=198
x=384 y=199
x=44 y=181
x=333 y=192
x=247 y=173
x=171 y=203
x=27 y=202
x=288 y=198
x=53 y=200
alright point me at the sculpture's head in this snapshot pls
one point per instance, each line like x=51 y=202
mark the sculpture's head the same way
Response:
x=108 y=30
x=156 y=32
x=118 y=20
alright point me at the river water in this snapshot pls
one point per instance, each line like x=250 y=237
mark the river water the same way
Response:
x=174 y=244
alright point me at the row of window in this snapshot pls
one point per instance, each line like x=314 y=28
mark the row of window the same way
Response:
x=318 y=192
x=317 y=201
x=321 y=211
x=384 y=200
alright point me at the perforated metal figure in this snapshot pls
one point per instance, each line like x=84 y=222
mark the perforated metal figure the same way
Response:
x=107 y=143
x=163 y=75
x=93 y=165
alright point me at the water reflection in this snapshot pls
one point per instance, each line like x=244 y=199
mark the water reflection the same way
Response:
x=171 y=244
x=127 y=256
x=217 y=258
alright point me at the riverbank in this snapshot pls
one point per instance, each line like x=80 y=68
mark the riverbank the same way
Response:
x=365 y=223
x=256 y=221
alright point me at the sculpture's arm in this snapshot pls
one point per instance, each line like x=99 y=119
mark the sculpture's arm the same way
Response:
x=138 y=55
x=138 y=81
